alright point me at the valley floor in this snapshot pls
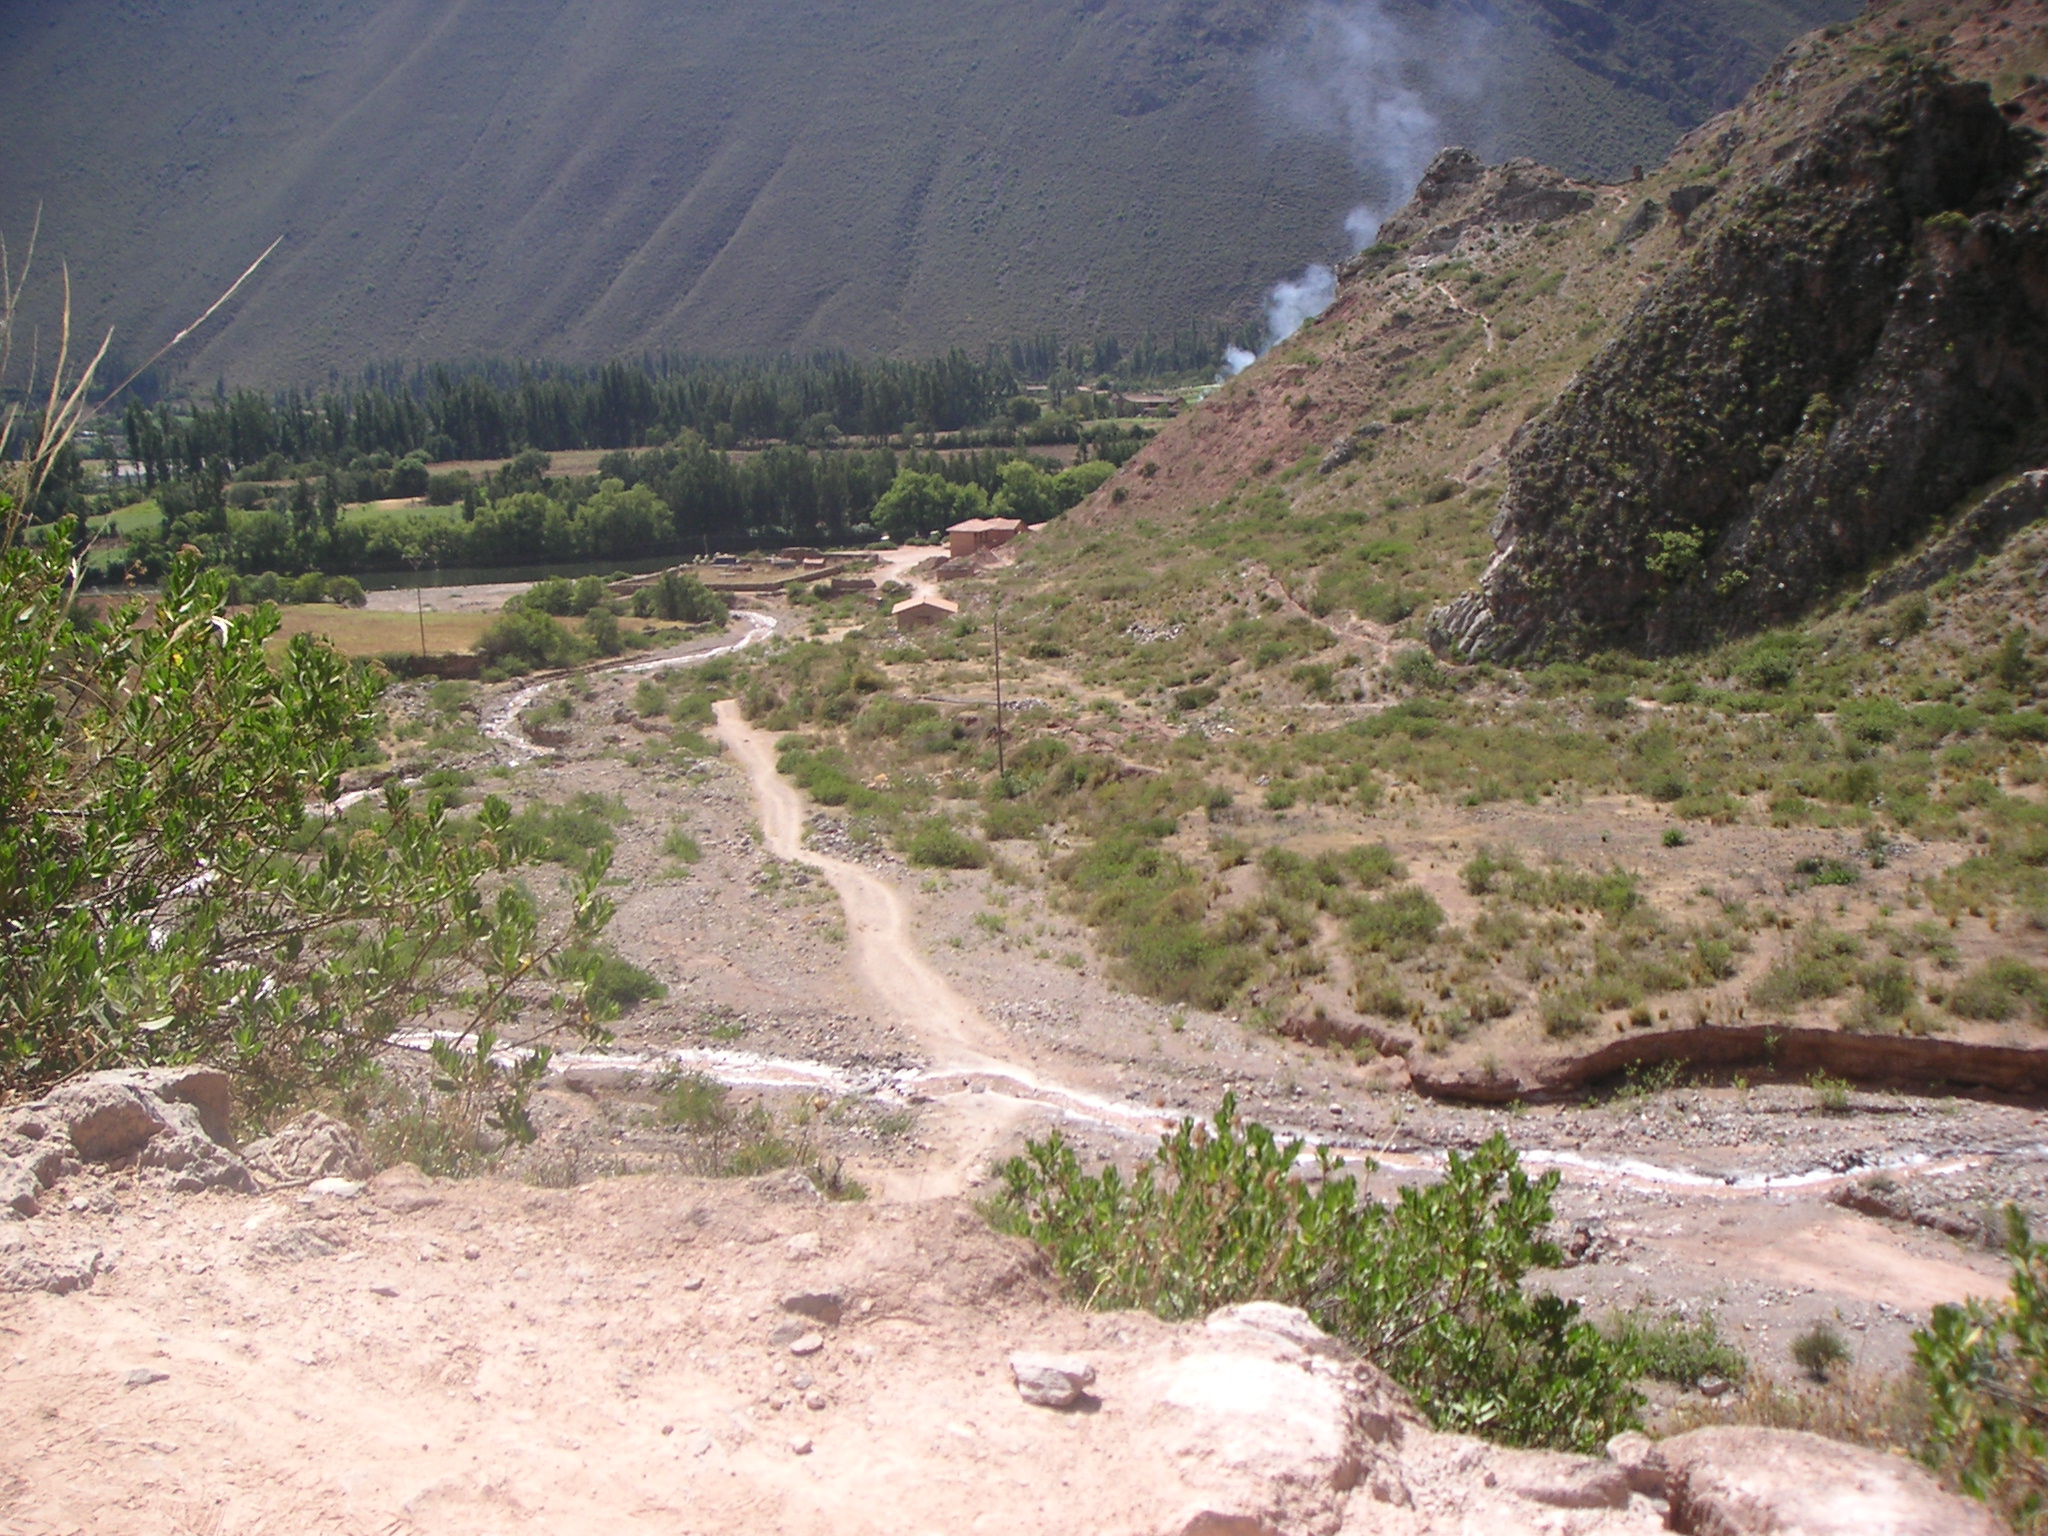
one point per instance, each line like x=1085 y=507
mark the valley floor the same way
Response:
x=591 y=1338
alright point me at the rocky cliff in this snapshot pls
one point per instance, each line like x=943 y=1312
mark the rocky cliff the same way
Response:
x=1854 y=341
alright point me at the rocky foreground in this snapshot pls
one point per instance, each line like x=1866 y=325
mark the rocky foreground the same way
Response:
x=206 y=1338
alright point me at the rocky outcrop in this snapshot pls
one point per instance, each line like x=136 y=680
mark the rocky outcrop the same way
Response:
x=1858 y=339
x=1458 y=194
x=171 y=1121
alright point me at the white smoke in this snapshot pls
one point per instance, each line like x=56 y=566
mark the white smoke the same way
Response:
x=1352 y=73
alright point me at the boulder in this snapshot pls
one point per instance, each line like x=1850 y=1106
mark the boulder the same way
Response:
x=1774 y=1482
x=175 y=1119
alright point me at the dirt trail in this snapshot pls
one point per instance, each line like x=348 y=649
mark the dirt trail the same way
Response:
x=883 y=950
x=897 y=563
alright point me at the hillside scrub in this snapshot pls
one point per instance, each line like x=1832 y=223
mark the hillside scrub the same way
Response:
x=1429 y=1287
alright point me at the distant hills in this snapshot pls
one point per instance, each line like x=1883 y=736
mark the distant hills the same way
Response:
x=584 y=178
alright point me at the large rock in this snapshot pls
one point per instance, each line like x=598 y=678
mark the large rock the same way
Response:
x=1263 y=1425
x=175 y=1120
x=1860 y=338
x=314 y=1146
x=1770 y=1482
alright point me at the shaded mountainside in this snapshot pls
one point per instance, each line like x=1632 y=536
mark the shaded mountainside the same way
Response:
x=1858 y=341
x=536 y=177
x=1658 y=415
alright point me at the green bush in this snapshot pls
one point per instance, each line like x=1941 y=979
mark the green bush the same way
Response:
x=524 y=638
x=1399 y=924
x=1428 y=1286
x=612 y=985
x=2000 y=989
x=569 y=833
x=679 y=598
x=1675 y=1348
x=1820 y=966
x=937 y=844
x=1820 y=1349
x=1985 y=1368
x=1008 y=819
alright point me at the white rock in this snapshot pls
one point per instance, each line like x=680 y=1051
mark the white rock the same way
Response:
x=336 y=1189
x=1051 y=1381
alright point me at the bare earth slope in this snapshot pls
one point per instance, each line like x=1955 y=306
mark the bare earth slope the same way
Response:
x=536 y=178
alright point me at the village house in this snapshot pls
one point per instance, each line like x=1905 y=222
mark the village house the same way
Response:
x=979 y=533
x=919 y=612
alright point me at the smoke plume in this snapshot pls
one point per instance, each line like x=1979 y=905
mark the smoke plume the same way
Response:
x=1351 y=73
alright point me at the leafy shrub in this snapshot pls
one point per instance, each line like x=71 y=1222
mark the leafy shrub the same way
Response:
x=1675 y=1348
x=612 y=985
x=522 y=639
x=571 y=832
x=1819 y=871
x=1428 y=1286
x=2000 y=989
x=1819 y=966
x=1820 y=1349
x=1566 y=1014
x=679 y=598
x=938 y=844
x=1007 y=819
x=1985 y=1367
x=1399 y=924
x=681 y=846
x=1830 y=1094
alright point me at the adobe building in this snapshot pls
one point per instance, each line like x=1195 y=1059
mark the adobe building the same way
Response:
x=922 y=612
x=979 y=533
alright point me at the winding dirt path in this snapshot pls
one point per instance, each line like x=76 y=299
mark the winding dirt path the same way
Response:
x=884 y=953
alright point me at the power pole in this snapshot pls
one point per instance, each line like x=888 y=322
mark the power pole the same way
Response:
x=1002 y=773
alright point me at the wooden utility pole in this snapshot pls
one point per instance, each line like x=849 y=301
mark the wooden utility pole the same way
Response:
x=1002 y=773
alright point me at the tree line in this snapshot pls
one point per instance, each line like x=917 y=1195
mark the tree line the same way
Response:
x=686 y=498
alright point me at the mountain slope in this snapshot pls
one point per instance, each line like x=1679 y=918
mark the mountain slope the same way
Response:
x=1797 y=379
x=563 y=178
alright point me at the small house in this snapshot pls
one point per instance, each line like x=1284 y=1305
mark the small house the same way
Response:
x=922 y=612
x=979 y=533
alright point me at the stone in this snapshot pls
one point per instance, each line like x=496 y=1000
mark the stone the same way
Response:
x=820 y=1306
x=143 y=1376
x=800 y=1445
x=1762 y=1482
x=312 y=1147
x=172 y=1119
x=19 y=1189
x=402 y=1190
x=336 y=1189
x=289 y=1245
x=809 y=1344
x=26 y=1270
x=815 y=1401
x=1640 y=1462
x=805 y=1245
x=1051 y=1381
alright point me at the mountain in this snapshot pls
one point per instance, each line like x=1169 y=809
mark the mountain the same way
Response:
x=575 y=179
x=1655 y=416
